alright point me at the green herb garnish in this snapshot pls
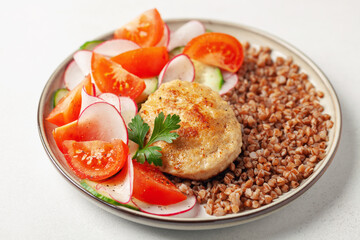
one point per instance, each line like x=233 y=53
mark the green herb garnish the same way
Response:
x=162 y=132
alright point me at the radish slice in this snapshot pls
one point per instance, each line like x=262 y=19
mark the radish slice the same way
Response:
x=133 y=147
x=128 y=109
x=119 y=187
x=97 y=90
x=169 y=210
x=164 y=41
x=192 y=213
x=101 y=121
x=185 y=33
x=230 y=81
x=87 y=100
x=180 y=67
x=115 y=47
x=73 y=75
x=112 y=99
x=83 y=60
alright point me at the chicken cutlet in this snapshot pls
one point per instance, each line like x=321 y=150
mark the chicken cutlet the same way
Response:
x=209 y=137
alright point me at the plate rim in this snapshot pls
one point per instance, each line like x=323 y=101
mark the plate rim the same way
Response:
x=196 y=223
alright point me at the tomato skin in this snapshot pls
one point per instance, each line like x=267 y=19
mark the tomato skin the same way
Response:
x=151 y=186
x=145 y=30
x=143 y=62
x=217 y=49
x=95 y=160
x=110 y=77
x=68 y=108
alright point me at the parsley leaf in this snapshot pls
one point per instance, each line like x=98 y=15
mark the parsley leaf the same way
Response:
x=152 y=155
x=162 y=128
x=137 y=130
x=162 y=132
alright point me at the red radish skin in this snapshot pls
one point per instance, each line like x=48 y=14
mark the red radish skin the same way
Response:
x=180 y=67
x=97 y=90
x=185 y=33
x=87 y=100
x=230 y=81
x=102 y=121
x=169 y=210
x=73 y=75
x=115 y=47
x=164 y=42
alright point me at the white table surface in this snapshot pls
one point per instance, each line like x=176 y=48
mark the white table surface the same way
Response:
x=37 y=202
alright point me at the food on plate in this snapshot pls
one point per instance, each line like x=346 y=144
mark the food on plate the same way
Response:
x=220 y=123
x=146 y=30
x=112 y=77
x=68 y=108
x=95 y=160
x=65 y=132
x=185 y=34
x=151 y=186
x=137 y=61
x=162 y=131
x=209 y=136
x=216 y=49
x=90 y=186
x=285 y=134
x=89 y=45
x=180 y=67
x=151 y=85
x=58 y=95
x=208 y=75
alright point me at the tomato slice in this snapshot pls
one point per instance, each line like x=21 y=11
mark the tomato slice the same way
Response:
x=143 y=62
x=151 y=186
x=68 y=108
x=111 y=77
x=66 y=132
x=146 y=30
x=95 y=160
x=217 y=49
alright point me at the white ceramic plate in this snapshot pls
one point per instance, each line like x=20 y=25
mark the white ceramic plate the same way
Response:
x=197 y=218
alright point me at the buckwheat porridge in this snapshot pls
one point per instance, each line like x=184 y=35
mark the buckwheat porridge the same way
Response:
x=285 y=134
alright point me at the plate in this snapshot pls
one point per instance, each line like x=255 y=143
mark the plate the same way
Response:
x=197 y=219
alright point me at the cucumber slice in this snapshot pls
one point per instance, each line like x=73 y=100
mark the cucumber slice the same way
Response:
x=58 y=95
x=90 y=45
x=176 y=51
x=208 y=75
x=151 y=86
x=90 y=187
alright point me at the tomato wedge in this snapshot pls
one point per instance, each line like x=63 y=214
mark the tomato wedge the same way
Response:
x=95 y=160
x=68 y=108
x=146 y=30
x=66 y=132
x=111 y=77
x=151 y=186
x=143 y=62
x=217 y=49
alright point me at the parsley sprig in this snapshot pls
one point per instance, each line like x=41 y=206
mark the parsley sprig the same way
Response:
x=162 y=132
